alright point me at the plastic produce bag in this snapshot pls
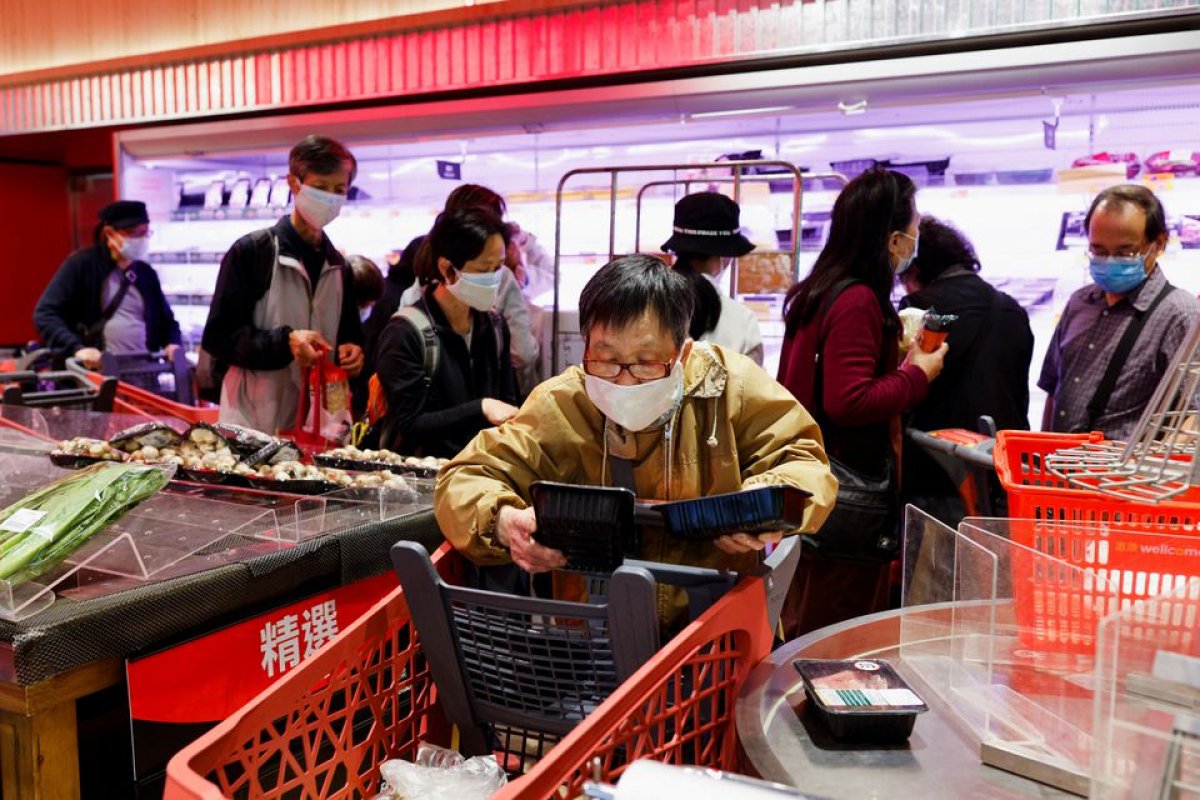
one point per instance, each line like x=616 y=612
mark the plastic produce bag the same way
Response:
x=441 y=774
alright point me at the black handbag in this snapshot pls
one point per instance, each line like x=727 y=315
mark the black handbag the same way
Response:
x=864 y=523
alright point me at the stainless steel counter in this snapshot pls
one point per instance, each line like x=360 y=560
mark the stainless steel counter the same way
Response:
x=784 y=742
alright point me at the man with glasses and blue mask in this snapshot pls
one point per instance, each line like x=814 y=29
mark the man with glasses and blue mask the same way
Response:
x=1118 y=335
x=106 y=297
x=649 y=410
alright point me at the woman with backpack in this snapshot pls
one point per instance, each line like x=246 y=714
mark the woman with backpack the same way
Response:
x=841 y=359
x=443 y=363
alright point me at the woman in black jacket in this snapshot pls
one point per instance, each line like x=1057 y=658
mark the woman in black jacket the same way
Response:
x=987 y=368
x=443 y=363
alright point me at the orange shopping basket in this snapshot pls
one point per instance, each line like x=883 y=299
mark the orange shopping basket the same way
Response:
x=1129 y=550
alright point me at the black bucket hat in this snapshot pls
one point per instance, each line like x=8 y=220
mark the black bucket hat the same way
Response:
x=706 y=223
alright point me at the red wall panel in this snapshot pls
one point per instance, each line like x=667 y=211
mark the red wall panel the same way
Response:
x=36 y=239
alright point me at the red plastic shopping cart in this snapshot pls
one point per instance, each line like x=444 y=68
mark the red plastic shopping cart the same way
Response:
x=323 y=730
x=367 y=696
x=1128 y=550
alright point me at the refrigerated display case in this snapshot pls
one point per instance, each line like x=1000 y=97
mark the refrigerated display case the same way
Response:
x=982 y=161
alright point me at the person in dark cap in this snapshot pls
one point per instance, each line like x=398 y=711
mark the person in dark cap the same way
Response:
x=106 y=298
x=705 y=241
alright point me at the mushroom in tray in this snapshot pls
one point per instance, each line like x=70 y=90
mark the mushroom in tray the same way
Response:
x=90 y=448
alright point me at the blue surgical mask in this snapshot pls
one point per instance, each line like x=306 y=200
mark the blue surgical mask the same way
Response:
x=1118 y=274
x=903 y=264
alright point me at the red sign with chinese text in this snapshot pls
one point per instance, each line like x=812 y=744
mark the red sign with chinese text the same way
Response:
x=208 y=678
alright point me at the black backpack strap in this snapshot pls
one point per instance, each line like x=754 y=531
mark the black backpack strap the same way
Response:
x=1099 y=402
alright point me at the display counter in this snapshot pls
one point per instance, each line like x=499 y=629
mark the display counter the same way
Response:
x=783 y=741
x=190 y=560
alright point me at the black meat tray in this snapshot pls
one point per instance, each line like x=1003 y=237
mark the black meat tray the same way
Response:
x=351 y=465
x=763 y=509
x=870 y=702
x=69 y=461
x=591 y=525
x=213 y=477
x=294 y=486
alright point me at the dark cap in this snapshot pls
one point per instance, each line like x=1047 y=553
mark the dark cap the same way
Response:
x=124 y=214
x=707 y=223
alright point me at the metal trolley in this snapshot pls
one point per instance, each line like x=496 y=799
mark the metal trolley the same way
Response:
x=737 y=173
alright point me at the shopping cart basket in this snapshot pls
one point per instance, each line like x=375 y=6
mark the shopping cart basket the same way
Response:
x=323 y=729
x=169 y=378
x=61 y=388
x=130 y=399
x=677 y=709
x=516 y=673
x=367 y=696
x=1129 y=550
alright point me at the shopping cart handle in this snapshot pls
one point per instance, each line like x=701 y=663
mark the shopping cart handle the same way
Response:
x=979 y=456
x=683 y=575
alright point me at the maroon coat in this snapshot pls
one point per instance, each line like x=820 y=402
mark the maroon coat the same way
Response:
x=864 y=392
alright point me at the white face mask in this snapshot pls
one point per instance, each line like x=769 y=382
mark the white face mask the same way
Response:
x=639 y=405
x=318 y=207
x=135 y=248
x=476 y=289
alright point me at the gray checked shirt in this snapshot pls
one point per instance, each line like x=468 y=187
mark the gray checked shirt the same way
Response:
x=1084 y=341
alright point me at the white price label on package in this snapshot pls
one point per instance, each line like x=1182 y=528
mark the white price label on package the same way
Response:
x=22 y=520
x=850 y=698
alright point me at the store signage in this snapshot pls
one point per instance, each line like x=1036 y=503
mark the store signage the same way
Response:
x=449 y=170
x=177 y=694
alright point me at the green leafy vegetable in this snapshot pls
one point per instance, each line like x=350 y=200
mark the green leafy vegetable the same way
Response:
x=47 y=525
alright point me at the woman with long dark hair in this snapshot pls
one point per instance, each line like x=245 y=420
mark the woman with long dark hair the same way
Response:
x=841 y=359
x=705 y=238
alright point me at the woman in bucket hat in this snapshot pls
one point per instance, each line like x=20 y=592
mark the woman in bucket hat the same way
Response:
x=705 y=240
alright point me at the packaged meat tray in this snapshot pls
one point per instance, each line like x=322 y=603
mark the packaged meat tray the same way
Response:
x=763 y=509
x=861 y=700
x=591 y=525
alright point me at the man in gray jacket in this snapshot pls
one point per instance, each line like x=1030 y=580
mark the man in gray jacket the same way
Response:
x=283 y=298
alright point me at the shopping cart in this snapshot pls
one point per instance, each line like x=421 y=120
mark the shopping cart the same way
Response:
x=62 y=388
x=659 y=713
x=966 y=458
x=151 y=372
x=514 y=674
x=368 y=696
x=131 y=399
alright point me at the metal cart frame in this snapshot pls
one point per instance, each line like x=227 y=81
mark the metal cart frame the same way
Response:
x=739 y=175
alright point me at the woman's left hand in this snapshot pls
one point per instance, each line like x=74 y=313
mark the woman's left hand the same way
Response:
x=738 y=543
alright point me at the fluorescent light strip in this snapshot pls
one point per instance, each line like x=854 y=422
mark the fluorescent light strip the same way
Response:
x=739 y=111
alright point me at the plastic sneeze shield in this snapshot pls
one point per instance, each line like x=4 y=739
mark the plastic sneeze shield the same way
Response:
x=1053 y=587
x=1147 y=698
x=346 y=508
x=950 y=590
x=159 y=538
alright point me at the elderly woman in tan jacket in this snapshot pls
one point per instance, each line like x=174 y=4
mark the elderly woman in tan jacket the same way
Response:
x=677 y=419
